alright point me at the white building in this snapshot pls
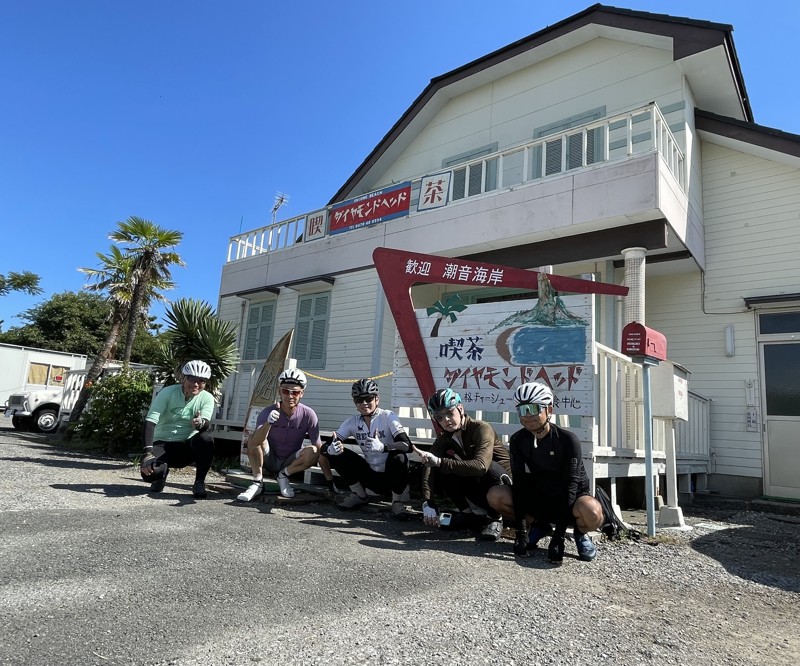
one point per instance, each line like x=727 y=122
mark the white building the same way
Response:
x=609 y=131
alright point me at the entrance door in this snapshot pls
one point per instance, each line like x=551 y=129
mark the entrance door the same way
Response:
x=780 y=363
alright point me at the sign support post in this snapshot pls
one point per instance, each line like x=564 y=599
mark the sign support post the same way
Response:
x=648 y=347
x=649 y=486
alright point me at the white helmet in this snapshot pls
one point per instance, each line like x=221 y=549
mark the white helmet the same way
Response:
x=534 y=392
x=292 y=376
x=197 y=369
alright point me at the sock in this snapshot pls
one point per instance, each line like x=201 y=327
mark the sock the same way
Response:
x=358 y=489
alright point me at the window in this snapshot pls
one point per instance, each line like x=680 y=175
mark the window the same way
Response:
x=57 y=375
x=46 y=375
x=258 y=339
x=311 y=330
x=37 y=373
x=782 y=322
x=468 y=180
x=573 y=159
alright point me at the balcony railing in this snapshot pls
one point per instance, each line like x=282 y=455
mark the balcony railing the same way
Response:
x=616 y=138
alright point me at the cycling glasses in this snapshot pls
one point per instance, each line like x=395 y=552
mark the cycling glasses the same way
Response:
x=291 y=391
x=195 y=380
x=364 y=399
x=530 y=409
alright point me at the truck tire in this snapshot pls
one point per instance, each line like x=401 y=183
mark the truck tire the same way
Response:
x=45 y=420
x=20 y=422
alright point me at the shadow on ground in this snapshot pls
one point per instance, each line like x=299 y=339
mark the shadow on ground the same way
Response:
x=66 y=463
x=764 y=552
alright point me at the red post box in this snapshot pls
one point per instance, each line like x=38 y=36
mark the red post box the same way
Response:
x=638 y=340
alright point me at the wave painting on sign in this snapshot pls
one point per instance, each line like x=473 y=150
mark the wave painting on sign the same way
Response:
x=547 y=333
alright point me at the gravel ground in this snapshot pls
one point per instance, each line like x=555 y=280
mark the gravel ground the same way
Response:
x=93 y=570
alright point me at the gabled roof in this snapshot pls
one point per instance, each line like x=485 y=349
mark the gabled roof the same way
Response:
x=704 y=49
x=759 y=140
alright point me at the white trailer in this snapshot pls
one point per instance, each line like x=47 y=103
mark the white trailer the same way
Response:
x=27 y=372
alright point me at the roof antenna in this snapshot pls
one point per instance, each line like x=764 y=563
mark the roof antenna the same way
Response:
x=280 y=200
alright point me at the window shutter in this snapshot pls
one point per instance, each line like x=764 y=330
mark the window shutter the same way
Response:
x=552 y=157
x=311 y=330
x=258 y=340
x=475 y=178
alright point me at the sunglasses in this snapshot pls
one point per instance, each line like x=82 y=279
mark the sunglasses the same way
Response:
x=364 y=399
x=530 y=409
x=291 y=391
x=194 y=380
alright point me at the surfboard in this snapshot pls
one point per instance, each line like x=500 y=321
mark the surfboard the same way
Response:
x=265 y=392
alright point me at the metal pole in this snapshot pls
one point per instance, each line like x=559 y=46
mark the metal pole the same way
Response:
x=648 y=450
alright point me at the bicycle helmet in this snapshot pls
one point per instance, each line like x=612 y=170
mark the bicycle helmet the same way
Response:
x=533 y=392
x=443 y=399
x=364 y=387
x=292 y=377
x=197 y=369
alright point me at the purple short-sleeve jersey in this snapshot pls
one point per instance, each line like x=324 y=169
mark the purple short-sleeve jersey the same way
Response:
x=287 y=434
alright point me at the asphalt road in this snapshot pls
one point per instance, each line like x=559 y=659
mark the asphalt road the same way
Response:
x=94 y=570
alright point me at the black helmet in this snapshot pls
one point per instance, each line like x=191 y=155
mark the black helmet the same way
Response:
x=443 y=399
x=364 y=387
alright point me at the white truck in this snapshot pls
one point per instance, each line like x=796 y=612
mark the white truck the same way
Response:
x=31 y=384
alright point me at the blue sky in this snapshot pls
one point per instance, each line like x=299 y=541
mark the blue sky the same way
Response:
x=194 y=113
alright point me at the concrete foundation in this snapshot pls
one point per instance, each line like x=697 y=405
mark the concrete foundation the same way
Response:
x=746 y=487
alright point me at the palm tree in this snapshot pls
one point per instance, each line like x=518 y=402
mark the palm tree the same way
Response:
x=195 y=332
x=131 y=277
x=452 y=305
x=150 y=248
x=114 y=278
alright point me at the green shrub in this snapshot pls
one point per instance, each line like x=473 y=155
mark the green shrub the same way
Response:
x=115 y=417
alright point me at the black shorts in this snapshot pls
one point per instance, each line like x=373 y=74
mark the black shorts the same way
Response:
x=548 y=508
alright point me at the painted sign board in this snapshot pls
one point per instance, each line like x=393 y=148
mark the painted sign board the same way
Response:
x=316 y=225
x=486 y=351
x=434 y=191
x=399 y=270
x=363 y=211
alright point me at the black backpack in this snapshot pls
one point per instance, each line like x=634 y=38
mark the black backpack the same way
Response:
x=613 y=528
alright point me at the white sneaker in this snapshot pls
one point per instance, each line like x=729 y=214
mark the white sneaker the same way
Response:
x=253 y=491
x=284 y=485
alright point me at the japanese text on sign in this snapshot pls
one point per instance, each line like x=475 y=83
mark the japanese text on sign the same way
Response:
x=372 y=208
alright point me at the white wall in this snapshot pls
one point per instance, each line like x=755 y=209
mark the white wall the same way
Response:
x=752 y=212
x=697 y=341
x=602 y=72
x=349 y=349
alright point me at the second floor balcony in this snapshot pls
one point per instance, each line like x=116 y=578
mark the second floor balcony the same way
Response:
x=610 y=141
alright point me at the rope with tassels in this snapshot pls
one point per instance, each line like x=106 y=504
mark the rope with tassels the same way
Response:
x=344 y=381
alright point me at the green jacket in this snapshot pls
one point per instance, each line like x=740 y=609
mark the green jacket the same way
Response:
x=480 y=446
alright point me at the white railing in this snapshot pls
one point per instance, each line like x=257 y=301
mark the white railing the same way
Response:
x=74 y=380
x=693 y=437
x=620 y=412
x=616 y=138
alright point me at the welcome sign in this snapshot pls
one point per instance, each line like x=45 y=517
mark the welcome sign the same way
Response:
x=486 y=351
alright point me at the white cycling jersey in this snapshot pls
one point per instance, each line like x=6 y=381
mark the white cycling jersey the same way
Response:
x=384 y=425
